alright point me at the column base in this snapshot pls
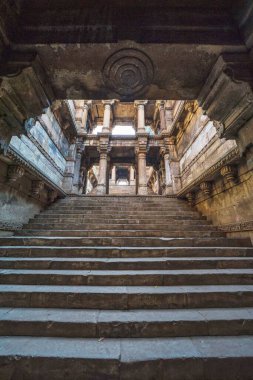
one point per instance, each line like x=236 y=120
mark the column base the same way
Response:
x=100 y=190
x=142 y=190
x=168 y=190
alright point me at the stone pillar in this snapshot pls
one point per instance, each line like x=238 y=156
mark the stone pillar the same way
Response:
x=107 y=115
x=169 y=119
x=70 y=167
x=140 y=105
x=113 y=179
x=86 y=108
x=131 y=175
x=168 y=178
x=142 y=185
x=142 y=147
x=102 y=175
x=82 y=116
x=161 y=106
x=77 y=167
x=172 y=164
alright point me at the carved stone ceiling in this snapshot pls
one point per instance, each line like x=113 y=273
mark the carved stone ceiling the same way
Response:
x=127 y=49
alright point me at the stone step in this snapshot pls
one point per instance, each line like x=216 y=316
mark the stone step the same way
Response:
x=201 y=358
x=155 y=263
x=125 y=199
x=103 y=216
x=124 y=252
x=127 y=209
x=122 y=241
x=131 y=233
x=126 y=297
x=74 y=323
x=115 y=220
x=117 y=226
x=127 y=278
x=121 y=203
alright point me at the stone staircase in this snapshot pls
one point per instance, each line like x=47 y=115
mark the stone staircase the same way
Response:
x=125 y=288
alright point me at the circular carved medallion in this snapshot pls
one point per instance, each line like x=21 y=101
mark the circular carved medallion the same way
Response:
x=128 y=72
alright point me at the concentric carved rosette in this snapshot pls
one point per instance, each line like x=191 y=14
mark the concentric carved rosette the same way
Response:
x=128 y=72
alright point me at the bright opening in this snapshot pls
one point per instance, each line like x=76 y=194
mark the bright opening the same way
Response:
x=123 y=130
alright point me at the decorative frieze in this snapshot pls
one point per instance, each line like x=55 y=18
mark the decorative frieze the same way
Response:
x=237 y=227
x=36 y=188
x=212 y=171
x=14 y=173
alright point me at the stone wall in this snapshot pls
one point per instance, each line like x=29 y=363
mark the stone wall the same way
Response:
x=17 y=204
x=39 y=159
x=224 y=196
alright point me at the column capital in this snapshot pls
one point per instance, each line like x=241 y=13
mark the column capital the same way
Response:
x=139 y=103
x=87 y=104
x=160 y=104
x=109 y=102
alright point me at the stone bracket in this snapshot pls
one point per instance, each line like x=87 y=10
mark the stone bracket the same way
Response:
x=24 y=94
x=227 y=96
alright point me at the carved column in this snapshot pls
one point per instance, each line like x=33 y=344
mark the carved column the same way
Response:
x=107 y=114
x=82 y=116
x=142 y=185
x=103 y=161
x=77 y=166
x=70 y=167
x=101 y=187
x=141 y=149
x=113 y=179
x=168 y=179
x=161 y=107
x=171 y=163
x=131 y=175
x=140 y=105
x=169 y=119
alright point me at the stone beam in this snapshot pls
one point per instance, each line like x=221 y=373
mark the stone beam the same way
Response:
x=126 y=21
